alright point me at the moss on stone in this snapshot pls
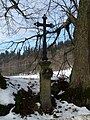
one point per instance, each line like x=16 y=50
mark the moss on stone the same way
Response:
x=47 y=73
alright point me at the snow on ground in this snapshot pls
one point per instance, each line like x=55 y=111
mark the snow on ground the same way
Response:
x=55 y=76
x=27 y=76
x=63 y=110
x=62 y=72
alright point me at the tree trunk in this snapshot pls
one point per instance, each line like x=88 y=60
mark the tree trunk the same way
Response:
x=80 y=84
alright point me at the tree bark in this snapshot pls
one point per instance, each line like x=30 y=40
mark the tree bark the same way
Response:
x=81 y=70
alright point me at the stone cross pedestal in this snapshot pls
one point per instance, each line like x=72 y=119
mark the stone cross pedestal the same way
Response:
x=45 y=85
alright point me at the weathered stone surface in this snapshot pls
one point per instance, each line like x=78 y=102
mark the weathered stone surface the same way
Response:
x=45 y=85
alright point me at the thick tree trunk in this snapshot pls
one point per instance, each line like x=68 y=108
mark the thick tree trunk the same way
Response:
x=81 y=69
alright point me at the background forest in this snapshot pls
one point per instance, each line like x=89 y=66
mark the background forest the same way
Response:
x=61 y=56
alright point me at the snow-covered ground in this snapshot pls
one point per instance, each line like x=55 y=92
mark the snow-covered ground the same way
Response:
x=63 y=110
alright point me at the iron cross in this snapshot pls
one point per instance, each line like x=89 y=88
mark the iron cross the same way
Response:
x=44 y=52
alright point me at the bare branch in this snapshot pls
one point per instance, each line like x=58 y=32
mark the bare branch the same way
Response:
x=49 y=6
x=72 y=19
x=58 y=30
x=17 y=8
x=66 y=55
x=75 y=4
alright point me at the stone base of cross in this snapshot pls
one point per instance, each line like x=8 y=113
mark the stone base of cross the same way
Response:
x=45 y=85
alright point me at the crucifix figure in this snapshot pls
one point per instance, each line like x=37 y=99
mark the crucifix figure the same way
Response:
x=44 y=52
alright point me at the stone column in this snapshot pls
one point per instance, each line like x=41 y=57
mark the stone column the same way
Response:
x=45 y=85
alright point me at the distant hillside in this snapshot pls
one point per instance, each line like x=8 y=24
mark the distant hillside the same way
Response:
x=61 y=56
